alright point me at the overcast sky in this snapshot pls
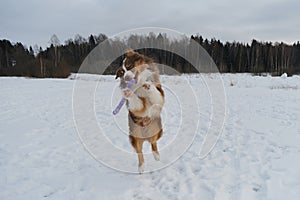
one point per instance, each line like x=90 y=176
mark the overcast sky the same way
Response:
x=34 y=21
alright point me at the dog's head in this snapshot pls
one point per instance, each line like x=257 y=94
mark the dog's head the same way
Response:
x=133 y=65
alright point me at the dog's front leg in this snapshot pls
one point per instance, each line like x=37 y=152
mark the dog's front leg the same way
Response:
x=155 y=97
x=134 y=102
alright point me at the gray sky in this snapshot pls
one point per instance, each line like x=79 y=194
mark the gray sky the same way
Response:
x=34 y=21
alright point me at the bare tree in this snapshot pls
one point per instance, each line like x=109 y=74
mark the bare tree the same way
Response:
x=55 y=42
x=38 y=52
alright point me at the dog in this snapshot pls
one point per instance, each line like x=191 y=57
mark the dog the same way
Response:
x=144 y=102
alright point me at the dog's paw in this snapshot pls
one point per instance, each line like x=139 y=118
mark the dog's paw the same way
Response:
x=146 y=121
x=146 y=86
x=141 y=168
x=127 y=93
x=156 y=156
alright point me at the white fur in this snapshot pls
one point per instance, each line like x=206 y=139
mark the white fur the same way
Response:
x=134 y=102
x=146 y=75
x=141 y=168
x=156 y=156
x=154 y=98
x=143 y=77
x=129 y=75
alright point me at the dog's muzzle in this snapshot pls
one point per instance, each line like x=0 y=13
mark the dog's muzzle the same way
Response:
x=123 y=71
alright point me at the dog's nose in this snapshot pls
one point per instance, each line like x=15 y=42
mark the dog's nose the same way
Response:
x=120 y=73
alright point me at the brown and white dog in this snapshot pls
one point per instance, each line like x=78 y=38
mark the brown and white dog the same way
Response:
x=144 y=102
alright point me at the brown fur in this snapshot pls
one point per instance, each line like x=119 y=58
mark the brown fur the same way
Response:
x=120 y=72
x=159 y=88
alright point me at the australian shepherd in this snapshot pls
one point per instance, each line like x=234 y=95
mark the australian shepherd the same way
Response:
x=144 y=101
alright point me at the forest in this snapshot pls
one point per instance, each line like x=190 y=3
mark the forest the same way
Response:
x=59 y=60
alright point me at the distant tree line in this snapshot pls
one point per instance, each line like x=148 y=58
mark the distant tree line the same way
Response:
x=59 y=60
x=257 y=57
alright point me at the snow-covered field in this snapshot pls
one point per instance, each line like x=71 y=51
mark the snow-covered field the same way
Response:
x=256 y=157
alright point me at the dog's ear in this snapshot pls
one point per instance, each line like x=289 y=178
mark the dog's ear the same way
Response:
x=136 y=56
x=129 y=53
x=120 y=73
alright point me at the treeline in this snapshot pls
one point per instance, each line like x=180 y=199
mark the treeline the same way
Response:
x=59 y=60
x=257 y=57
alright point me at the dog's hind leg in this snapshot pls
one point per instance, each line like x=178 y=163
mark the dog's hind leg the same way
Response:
x=153 y=141
x=138 y=148
x=155 y=151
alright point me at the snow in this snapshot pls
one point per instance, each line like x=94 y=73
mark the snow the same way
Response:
x=256 y=156
x=284 y=75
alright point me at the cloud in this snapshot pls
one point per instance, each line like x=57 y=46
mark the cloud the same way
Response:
x=33 y=21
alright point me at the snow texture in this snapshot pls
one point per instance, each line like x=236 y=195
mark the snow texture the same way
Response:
x=256 y=157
